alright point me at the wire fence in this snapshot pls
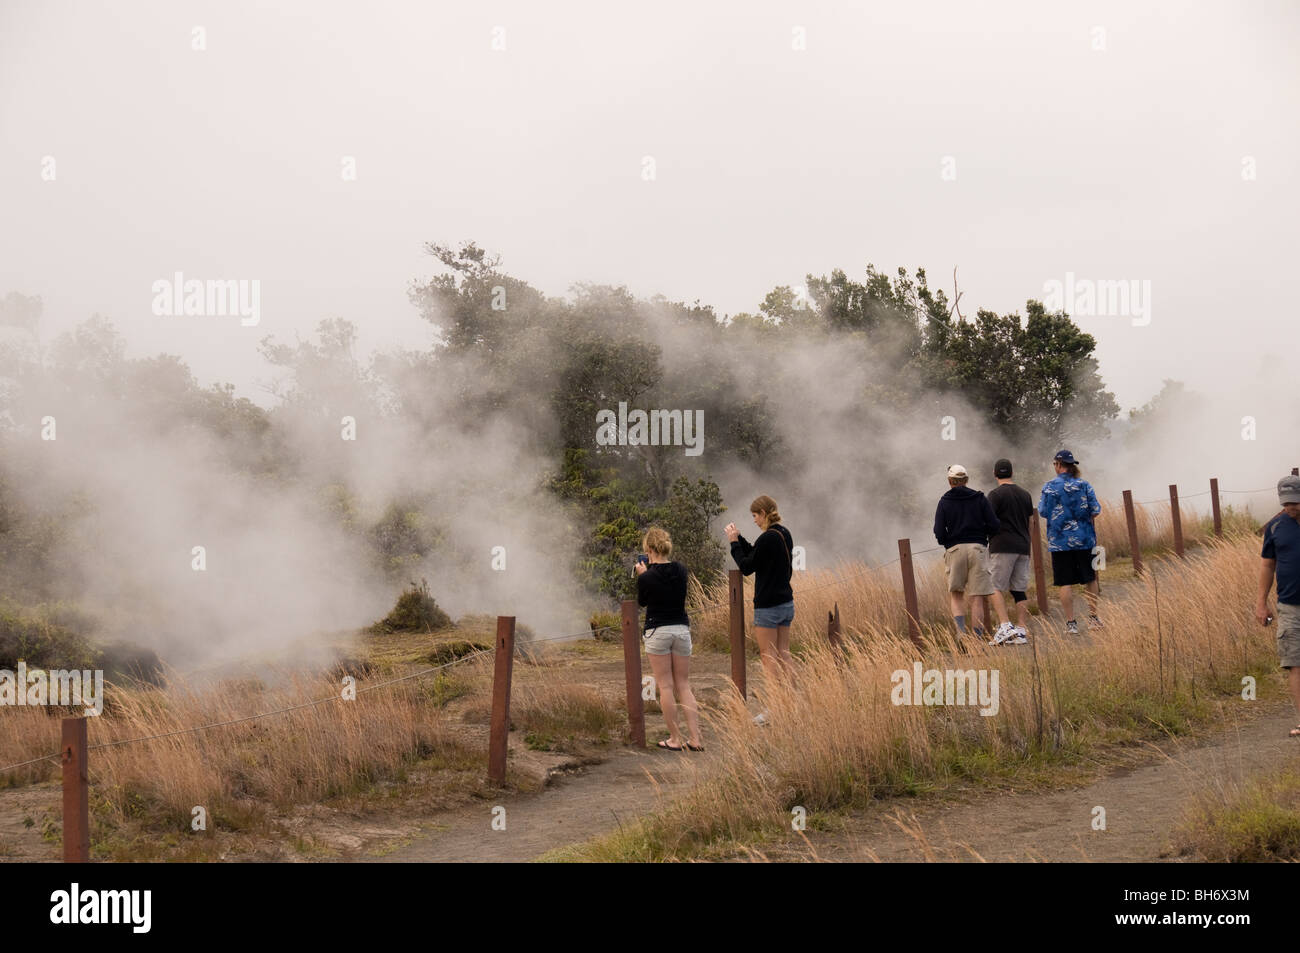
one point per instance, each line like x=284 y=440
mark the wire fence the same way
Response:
x=837 y=581
x=1192 y=496
x=246 y=718
x=710 y=607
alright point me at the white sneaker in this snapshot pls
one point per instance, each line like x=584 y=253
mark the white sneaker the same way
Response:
x=1005 y=633
x=761 y=718
x=1021 y=637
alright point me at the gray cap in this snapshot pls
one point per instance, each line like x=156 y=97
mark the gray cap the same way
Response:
x=1288 y=489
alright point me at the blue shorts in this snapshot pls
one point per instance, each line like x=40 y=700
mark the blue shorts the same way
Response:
x=774 y=616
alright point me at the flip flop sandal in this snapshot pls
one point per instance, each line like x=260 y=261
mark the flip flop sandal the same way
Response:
x=1295 y=732
x=693 y=747
x=665 y=745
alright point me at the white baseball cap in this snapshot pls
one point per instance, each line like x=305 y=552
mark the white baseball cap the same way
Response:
x=956 y=470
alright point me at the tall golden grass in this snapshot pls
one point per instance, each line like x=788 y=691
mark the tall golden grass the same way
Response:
x=297 y=756
x=1155 y=526
x=870 y=597
x=1175 y=650
x=873 y=597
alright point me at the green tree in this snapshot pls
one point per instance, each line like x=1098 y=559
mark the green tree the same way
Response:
x=1035 y=380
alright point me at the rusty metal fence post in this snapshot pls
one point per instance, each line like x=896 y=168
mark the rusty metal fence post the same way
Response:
x=1177 y=517
x=1214 y=506
x=909 y=591
x=500 y=731
x=1130 y=518
x=632 y=669
x=76 y=792
x=736 y=627
x=1036 y=556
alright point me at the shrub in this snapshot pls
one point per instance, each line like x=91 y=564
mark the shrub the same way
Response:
x=416 y=611
x=606 y=627
x=31 y=635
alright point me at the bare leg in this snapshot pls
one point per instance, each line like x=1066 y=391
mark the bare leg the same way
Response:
x=1000 y=606
x=662 y=667
x=783 y=650
x=1090 y=592
x=957 y=602
x=768 y=654
x=1067 y=602
x=685 y=697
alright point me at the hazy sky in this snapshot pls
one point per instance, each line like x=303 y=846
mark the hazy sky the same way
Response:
x=1119 y=163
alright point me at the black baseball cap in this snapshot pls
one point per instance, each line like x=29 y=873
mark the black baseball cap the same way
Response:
x=1002 y=469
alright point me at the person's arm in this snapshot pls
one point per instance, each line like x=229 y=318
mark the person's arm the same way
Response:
x=1094 y=505
x=1267 y=569
x=940 y=528
x=744 y=555
x=643 y=590
x=1044 y=508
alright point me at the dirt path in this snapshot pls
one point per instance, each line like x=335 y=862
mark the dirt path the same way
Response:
x=1144 y=801
x=1143 y=804
x=580 y=803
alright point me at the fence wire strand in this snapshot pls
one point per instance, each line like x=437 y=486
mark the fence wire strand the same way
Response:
x=266 y=714
x=465 y=658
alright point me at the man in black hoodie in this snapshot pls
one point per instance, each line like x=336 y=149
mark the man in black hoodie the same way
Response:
x=963 y=523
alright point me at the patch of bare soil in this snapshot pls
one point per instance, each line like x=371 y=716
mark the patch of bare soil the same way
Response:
x=1143 y=802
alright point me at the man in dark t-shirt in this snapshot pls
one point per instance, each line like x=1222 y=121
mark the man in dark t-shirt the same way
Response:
x=1009 y=551
x=1281 y=558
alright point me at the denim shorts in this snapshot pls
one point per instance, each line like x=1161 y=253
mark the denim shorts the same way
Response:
x=665 y=639
x=774 y=616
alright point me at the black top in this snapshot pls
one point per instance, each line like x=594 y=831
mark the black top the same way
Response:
x=769 y=557
x=964 y=516
x=1282 y=542
x=662 y=590
x=1012 y=505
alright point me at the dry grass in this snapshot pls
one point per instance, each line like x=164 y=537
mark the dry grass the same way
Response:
x=1162 y=666
x=250 y=775
x=1247 y=823
x=871 y=597
x=239 y=772
x=560 y=716
x=1155 y=526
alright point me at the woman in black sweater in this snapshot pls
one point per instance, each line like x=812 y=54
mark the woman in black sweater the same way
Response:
x=661 y=588
x=769 y=558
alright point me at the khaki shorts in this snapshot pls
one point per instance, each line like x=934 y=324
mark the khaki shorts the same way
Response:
x=968 y=569
x=1288 y=635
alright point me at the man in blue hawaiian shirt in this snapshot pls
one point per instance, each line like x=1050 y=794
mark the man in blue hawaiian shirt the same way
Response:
x=1069 y=505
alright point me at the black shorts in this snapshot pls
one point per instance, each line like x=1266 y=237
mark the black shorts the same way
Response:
x=1072 y=566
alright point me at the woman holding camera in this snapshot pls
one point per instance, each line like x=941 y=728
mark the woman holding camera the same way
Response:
x=769 y=559
x=661 y=588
